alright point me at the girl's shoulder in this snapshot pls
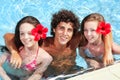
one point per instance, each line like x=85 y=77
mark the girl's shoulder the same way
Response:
x=44 y=56
x=43 y=53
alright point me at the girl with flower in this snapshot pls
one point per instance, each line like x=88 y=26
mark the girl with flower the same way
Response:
x=95 y=30
x=35 y=60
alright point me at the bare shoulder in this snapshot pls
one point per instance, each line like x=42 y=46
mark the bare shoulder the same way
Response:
x=6 y=53
x=3 y=57
x=44 y=54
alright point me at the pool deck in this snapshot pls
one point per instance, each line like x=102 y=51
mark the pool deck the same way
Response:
x=111 y=72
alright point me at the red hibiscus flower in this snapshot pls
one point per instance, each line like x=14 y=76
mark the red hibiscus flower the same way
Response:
x=39 y=32
x=103 y=28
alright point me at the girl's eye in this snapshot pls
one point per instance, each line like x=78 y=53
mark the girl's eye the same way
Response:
x=92 y=30
x=21 y=34
x=85 y=29
x=29 y=33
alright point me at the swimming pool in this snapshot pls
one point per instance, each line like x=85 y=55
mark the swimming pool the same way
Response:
x=13 y=10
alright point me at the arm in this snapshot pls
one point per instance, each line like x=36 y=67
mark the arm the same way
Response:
x=115 y=48
x=3 y=74
x=15 y=58
x=108 y=57
x=37 y=75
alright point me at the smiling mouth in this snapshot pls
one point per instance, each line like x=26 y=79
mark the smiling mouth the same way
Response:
x=63 y=38
x=27 y=41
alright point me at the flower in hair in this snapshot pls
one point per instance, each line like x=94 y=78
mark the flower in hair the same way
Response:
x=39 y=32
x=103 y=28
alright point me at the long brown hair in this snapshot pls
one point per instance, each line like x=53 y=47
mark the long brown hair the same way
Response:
x=28 y=19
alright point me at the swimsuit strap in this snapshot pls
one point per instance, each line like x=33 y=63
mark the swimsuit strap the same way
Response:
x=37 y=53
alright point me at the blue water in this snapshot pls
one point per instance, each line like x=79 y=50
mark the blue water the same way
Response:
x=11 y=11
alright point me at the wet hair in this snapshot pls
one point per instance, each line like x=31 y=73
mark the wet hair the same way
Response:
x=28 y=19
x=3 y=48
x=65 y=16
x=91 y=17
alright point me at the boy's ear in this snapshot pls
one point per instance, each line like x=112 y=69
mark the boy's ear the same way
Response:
x=53 y=30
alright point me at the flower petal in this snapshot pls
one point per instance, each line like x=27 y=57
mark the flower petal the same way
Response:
x=39 y=32
x=103 y=28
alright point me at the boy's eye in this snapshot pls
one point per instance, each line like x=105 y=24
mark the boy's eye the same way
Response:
x=62 y=28
x=70 y=30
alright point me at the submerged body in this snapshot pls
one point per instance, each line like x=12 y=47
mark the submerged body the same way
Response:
x=63 y=58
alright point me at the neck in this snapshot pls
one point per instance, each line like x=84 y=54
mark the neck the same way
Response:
x=32 y=49
x=59 y=46
x=97 y=43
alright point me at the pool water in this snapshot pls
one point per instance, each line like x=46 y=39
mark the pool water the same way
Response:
x=13 y=10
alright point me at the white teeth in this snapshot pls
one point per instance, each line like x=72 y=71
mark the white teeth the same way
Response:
x=27 y=41
x=89 y=38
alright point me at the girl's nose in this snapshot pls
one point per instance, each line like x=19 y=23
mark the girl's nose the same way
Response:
x=26 y=36
x=89 y=33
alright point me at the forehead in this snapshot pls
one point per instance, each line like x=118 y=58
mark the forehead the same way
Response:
x=66 y=24
x=26 y=27
x=91 y=24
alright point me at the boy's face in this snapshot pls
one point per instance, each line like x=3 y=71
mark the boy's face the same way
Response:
x=63 y=32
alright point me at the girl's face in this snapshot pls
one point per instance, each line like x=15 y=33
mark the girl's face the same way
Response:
x=90 y=31
x=25 y=34
x=63 y=33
